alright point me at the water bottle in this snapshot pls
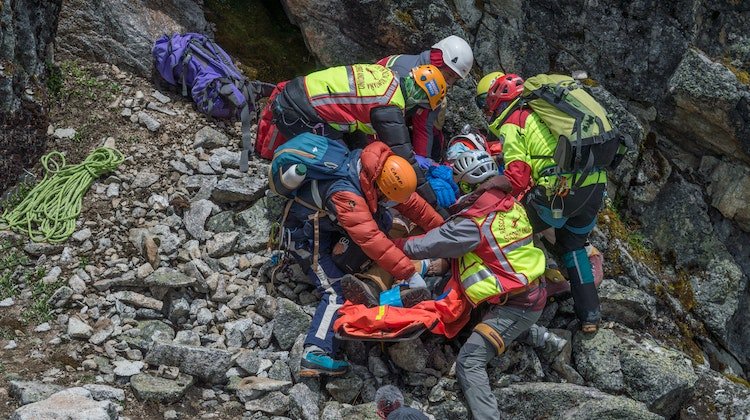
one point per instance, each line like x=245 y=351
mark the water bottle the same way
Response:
x=293 y=177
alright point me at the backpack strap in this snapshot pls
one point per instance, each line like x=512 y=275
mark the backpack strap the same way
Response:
x=253 y=91
x=186 y=56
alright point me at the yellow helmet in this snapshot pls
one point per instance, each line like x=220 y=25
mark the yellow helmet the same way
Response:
x=484 y=86
x=432 y=82
x=397 y=180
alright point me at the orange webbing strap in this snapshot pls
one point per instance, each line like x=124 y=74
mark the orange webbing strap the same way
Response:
x=492 y=336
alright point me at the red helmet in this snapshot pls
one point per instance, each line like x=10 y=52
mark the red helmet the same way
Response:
x=503 y=89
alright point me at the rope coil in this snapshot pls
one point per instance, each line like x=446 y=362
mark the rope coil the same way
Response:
x=49 y=211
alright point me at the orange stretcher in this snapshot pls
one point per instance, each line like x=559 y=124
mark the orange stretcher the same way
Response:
x=446 y=316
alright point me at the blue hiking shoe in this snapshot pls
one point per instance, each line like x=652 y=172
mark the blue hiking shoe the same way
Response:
x=316 y=362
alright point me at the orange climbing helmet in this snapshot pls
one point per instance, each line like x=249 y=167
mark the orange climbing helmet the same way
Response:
x=397 y=180
x=432 y=82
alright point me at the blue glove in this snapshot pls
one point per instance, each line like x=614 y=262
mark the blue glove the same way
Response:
x=445 y=173
x=443 y=191
x=424 y=162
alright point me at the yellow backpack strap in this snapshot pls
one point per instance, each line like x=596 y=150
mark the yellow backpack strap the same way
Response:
x=492 y=336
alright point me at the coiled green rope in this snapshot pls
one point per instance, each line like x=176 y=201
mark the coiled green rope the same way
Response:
x=49 y=211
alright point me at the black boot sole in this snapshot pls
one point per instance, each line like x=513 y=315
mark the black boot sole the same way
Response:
x=411 y=297
x=358 y=292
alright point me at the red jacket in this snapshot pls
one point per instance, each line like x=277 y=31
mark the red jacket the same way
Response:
x=354 y=213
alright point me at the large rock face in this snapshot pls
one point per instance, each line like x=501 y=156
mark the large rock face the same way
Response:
x=708 y=108
x=123 y=32
x=27 y=30
x=525 y=37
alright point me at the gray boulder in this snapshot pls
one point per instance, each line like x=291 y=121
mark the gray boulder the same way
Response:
x=337 y=40
x=409 y=355
x=660 y=377
x=221 y=244
x=716 y=396
x=244 y=189
x=207 y=364
x=274 y=403
x=597 y=359
x=650 y=174
x=70 y=404
x=209 y=138
x=253 y=387
x=626 y=305
x=346 y=388
x=148 y=387
x=303 y=403
x=195 y=218
x=146 y=332
x=553 y=400
x=721 y=127
x=290 y=322
x=168 y=278
x=31 y=392
x=123 y=33
x=729 y=189
x=256 y=222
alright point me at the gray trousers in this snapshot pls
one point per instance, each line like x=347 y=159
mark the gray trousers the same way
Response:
x=471 y=365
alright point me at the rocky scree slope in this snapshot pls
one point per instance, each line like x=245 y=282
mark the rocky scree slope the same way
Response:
x=161 y=306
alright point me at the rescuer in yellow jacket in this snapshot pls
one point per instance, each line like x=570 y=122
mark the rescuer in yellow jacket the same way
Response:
x=364 y=98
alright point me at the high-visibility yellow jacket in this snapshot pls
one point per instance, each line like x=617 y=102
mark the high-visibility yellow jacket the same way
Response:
x=492 y=242
x=345 y=96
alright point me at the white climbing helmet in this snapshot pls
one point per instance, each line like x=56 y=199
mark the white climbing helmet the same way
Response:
x=457 y=54
x=474 y=167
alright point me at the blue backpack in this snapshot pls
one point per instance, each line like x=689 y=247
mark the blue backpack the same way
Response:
x=205 y=72
x=326 y=160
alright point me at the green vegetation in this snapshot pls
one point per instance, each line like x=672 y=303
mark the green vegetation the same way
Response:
x=737 y=380
x=84 y=260
x=70 y=81
x=16 y=270
x=406 y=19
x=7 y=333
x=10 y=259
x=39 y=310
x=54 y=80
x=619 y=228
x=742 y=75
x=260 y=36
x=14 y=196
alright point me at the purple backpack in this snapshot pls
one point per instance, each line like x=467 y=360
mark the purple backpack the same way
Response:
x=205 y=71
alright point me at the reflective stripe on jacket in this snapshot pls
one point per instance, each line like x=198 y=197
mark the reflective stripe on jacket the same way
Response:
x=505 y=260
x=344 y=96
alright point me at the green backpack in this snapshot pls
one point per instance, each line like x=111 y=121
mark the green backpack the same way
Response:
x=587 y=140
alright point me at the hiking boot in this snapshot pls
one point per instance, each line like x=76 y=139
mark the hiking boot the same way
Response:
x=589 y=327
x=553 y=345
x=411 y=297
x=316 y=362
x=359 y=292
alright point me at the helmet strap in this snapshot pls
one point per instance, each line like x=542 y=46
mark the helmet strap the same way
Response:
x=466 y=188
